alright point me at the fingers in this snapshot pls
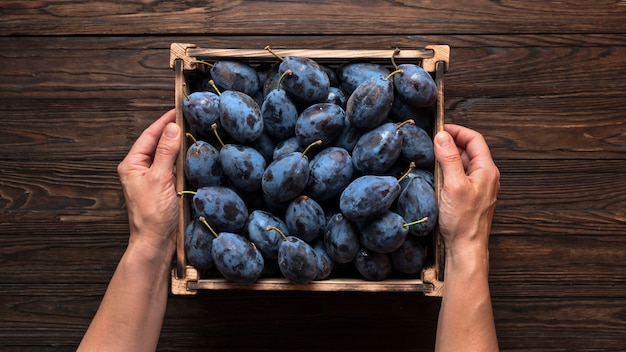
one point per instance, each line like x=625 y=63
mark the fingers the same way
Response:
x=167 y=148
x=449 y=158
x=142 y=152
x=474 y=155
x=147 y=142
x=472 y=144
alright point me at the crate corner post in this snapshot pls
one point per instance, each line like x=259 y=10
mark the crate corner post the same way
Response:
x=180 y=285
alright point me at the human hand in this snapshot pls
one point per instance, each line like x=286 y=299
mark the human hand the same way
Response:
x=471 y=182
x=148 y=178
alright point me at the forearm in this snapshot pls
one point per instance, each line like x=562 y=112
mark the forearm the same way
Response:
x=131 y=313
x=466 y=317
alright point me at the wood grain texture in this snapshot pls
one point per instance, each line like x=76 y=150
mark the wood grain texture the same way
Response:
x=543 y=81
x=218 y=17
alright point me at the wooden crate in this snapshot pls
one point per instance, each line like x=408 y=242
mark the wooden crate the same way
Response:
x=186 y=280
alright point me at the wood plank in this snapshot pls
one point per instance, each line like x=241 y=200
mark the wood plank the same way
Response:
x=558 y=266
x=558 y=222
x=78 y=258
x=527 y=108
x=38 y=43
x=524 y=70
x=70 y=185
x=299 y=18
x=543 y=81
x=528 y=128
x=45 y=315
x=84 y=130
x=531 y=264
x=59 y=314
x=560 y=324
x=491 y=72
x=580 y=191
x=77 y=191
x=108 y=17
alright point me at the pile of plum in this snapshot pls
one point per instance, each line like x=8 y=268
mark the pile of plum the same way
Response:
x=301 y=169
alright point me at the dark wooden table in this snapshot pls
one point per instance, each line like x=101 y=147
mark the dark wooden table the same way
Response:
x=544 y=81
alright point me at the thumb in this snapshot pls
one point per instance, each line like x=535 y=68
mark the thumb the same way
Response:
x=449 y=157
x=168 y=147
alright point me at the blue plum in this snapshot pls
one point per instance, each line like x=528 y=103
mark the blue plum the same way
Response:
x=378 y=149
x=370 y=103
x=243 y=165
x=337 y=96
x=266 y=240
x=320 y=121
x=373 y=265
x=417 y=146
x=240 y=116
x=325 y=263
x=235 y=75
x=416 y=201
x=368 y=196
x=308 y=82
x=348 y=137
x=201 y=110
x=222 y=207
x=415 y=85
x=385 y=233
x=265 y=145
x=330 y=171
x=351 y=75
x=297 y=260
x=279 y=113
x=236 y=258
x=341 y=238
x=305 y=218
x=410 y=257
x=286 y=177
x=418 y=172
x=202 y=167
x=401 y=110
x=198 y=244
x=287 y=146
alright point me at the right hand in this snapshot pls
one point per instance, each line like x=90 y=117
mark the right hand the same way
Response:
x=471 y=182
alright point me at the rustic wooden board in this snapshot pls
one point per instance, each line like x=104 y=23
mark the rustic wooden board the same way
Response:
x=530 y=107
x=544 y=81
x=319 y=17
x=61 y=192
x=394 y=322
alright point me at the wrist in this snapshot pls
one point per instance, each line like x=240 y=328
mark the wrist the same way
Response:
x=471 y=261
x=141 y=247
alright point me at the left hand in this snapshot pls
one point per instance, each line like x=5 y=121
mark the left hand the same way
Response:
x=148 y=178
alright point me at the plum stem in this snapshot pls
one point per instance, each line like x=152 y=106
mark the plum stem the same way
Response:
x=190 y=136
x=267 y=47
x=393 y=58
x=206 y=223
x=280 y=80
x=393 y=74
x=214 y=127
x=185 y=93
x=424 y=219
x=407 y=172
x=202 y=62
x=409 y=121
x=269 y=228
x=180 y=194
x=212 y=83
x=317 y=142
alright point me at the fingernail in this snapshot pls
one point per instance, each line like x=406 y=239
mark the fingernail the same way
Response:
x=171 y=130
x=443 y=139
